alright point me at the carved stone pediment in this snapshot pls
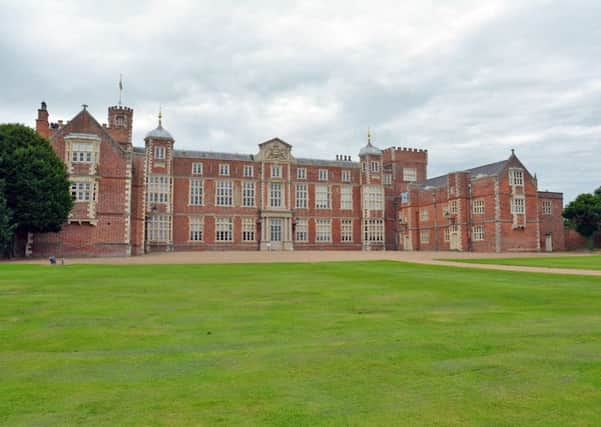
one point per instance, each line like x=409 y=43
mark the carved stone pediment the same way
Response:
x=275 y=150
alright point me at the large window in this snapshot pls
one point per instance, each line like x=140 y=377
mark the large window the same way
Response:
x=373 y=230
x=373 y=197
x=424 y=214
x=517 y=205
x=424 y=236
x=409 y=174
x=275 y=195
x=387 y=179
x=301 y=230
x=275 y=230
x=516 y=177
x=375 y=167
x=159 y=228
x=323 y=230
x=322 y=197
x=223 y=229
x=477 y=233
x=196 y=224
x=223 y=194
x=346 y=197
x=82 y=191
x=248 y=194
x=248 y=229
x=346 y=230
x=478 y=207
x=81 y=152
x=301 y=196
x=248 y=171
x=453 y=207
x=159 y=189
x=196 y=192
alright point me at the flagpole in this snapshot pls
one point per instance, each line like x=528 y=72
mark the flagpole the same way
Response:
x=120 y=87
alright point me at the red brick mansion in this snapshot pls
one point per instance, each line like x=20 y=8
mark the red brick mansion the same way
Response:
x=131 y=200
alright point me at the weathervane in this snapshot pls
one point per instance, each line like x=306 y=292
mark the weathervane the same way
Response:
x=120 y=87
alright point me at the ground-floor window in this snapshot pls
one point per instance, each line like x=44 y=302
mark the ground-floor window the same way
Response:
x=248 y=229
x=373 y=230
x=346 y=230
x=223 y=229
x=424 y=236
x=477 y=233
x=159 y=228
x=196 y=227
x=323 y=230
x=301 y=230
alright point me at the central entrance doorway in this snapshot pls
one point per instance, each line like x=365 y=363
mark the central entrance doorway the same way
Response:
x=276 y=232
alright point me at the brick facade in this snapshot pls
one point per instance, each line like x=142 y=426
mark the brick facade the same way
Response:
x=131 y=200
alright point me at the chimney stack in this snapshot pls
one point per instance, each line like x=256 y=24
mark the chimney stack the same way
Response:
x=41 y=124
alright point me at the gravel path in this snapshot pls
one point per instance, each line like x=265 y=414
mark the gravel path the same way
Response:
x=433 y=258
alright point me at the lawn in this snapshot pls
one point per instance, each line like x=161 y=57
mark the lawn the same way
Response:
x=362 y=343
x=589 y=262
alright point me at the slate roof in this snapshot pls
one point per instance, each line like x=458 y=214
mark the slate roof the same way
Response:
x=211 y=155
x=491 y=169
x=319 y=162
x=159 y=133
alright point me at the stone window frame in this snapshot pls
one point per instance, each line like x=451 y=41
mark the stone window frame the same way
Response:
x=276 y=195
x=249 y=193
x=346 y=197
x=323 y=230
x=410 y=174
x=346 y=230
x=301 y=173
x=373 y=230
x=224 y=169
x=345 y=175
x=197 y=168
x=323 y=174
x=547 y=207
x=249 y=229
x=323 y=197
x=276 y=171
x=224 y=229
x=224 y=193
x=248 y=171
x=518 y=205
x=478 y=233
x=301 y=230
x=159 y=228
x=478 y=207
x=373 y=197
x=196 y=228
x=196 y=192
x=302 y=196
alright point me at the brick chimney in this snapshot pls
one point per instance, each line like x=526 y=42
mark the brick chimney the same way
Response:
x=41 y=124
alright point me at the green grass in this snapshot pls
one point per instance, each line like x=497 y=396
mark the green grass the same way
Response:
x=362 y=343
x=591 y=262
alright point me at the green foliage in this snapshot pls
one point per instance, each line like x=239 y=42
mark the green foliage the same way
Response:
x=6 y=225
x=36 y=182
x=358 y=344
x=584 y=214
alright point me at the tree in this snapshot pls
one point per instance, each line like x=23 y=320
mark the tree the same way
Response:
x=584 y=215
x=37 y=188
x=6 y=226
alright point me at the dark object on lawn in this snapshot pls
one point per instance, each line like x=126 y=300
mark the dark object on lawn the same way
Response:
x=52 y=260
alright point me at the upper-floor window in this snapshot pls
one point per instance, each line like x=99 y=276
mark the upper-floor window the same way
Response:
x=159 y=152
x=346 y=176
x=120 y=121
x=516 y=177
x=518 y=205
x=323 y=174
x=159 y=188
x=275 y=195
x=196 y=192
x=82 y=191
x=322 y=197
x=196 y=168
x=547 y=207
x=248 y=194
x=478 y=207
x=224 y=169
x=82 y=152
x=301 y=196
x=248 y=171
x=375 y=166
x=424 y=214
x=387 y=179
x=404 y=197
x=223 y=195
x=346 y=197
x=453 y=207
x=373 y=197
x=276 y=171
x=409 y=174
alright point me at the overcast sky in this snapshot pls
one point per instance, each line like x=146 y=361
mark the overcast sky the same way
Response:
x=467 y=80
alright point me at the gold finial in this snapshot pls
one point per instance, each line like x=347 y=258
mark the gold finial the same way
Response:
x=368 y=136
x=160 y=116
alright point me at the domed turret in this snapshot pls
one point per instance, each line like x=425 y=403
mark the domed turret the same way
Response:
x=370 y=149
x=159 y=132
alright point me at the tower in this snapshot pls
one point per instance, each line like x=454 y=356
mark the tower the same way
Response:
x=372 y=197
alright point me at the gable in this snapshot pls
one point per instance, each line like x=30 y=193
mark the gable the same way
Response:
x=275 y=150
